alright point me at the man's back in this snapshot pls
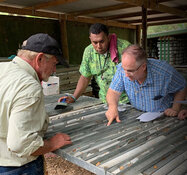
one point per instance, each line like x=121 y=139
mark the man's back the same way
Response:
x=19 y=89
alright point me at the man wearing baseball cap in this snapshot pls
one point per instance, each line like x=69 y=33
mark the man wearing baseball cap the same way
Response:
x=23 y=119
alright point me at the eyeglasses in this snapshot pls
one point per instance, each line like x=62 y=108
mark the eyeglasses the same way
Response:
x=133 y=71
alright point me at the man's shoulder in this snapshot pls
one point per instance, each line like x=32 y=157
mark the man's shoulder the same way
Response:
x=89 y=48
x=158 y=63
x=160 y=66
x=121 y=43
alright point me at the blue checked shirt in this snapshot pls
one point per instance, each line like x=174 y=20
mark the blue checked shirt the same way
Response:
x=157 y=92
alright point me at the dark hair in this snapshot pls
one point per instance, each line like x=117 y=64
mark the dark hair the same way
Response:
x=137 y=51
x=98 y=28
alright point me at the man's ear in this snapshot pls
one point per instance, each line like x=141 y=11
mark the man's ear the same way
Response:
x=38 y=60
x=90 y=39
x=144 y=66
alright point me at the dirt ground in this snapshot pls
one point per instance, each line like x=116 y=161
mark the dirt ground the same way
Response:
x=55 y=165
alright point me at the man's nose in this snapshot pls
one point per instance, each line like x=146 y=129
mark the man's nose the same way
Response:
x=127 y=74
x=99 y=45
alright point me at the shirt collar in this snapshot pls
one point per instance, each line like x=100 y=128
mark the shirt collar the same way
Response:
x=95 y=52
x=149 y=79
x=26 y=66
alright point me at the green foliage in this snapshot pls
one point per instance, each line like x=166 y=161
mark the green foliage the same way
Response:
x=166 y=28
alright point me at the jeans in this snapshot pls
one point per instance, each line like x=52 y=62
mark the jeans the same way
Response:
x=35 y=167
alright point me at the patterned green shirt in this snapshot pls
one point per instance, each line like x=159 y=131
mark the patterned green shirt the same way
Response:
x=102 y=68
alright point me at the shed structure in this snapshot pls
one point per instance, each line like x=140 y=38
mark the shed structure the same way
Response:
x=129 y=14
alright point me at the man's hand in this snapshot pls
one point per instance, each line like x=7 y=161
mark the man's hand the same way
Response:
x=69 y=99
x=59 y=140
x=112 y=114
x=170 y=112
x=182 y=114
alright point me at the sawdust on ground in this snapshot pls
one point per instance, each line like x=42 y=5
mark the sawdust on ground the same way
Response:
x=55 y=165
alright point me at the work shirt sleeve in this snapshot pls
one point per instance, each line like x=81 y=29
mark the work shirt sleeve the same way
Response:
x=27 y=124
x=177 y=81
x=85 y=65
x=117 y=83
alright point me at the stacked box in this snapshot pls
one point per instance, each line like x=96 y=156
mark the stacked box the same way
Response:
x=173 y=50
x=51 y=87
x=69 y=78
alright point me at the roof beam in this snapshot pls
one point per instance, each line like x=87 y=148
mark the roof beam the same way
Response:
x=155 y=19
x=149 y=12
x=127 y=15
x=156 y=6
x=103 y=9
x=49 y=4
x=19 y=11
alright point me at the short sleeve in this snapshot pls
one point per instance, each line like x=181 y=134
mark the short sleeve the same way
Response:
x=117 y=83
x=85 y=66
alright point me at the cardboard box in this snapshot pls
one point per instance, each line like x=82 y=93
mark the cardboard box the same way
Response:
x=51 y=87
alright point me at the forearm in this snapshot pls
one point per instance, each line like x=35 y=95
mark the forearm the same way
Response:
x=112 y=98
x=179 y=96
x=48 y=147
x=57 y=141
x=81 y=86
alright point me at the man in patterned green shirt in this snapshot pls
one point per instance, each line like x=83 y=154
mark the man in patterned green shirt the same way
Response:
x=97 y=62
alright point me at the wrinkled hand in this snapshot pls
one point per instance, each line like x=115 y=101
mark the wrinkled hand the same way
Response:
x=59 y=140
x=170 y=112
x=182 y=114
x=111 y=115
x=69 y=99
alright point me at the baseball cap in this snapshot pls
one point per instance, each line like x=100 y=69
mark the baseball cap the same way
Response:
x=44 y=43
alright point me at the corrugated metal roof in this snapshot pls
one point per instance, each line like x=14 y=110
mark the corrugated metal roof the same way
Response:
x=130 y=147
x=127 y=12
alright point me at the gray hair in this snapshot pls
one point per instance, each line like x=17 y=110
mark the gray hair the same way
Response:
x=30 y=54
x=137 y=51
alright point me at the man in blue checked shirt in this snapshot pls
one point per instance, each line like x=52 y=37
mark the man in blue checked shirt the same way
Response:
x=151 y=85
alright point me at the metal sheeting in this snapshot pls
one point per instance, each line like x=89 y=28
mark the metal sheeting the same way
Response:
x=130 y=147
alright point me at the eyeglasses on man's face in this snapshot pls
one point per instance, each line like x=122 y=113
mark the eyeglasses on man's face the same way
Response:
x=132 y=72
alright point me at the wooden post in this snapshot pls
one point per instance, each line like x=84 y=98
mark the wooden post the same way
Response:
x=64 y=39
x=144 y=27
x=138 y=34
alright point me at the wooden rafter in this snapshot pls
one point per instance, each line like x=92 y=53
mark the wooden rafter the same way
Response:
x=178 y=13
x=103 y=9
x=127 y=15
x=156 y=6
x=155 y=19
x=20 y=11
x=49 y=4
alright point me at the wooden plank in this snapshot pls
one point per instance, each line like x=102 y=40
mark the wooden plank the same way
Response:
x=49 y=4
x=156 y=6
x=144 y=28
x=61 y=16
x=69 y=69
x=138 y=34
x=102 y=9
x=127 y=15
x=64 y=40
